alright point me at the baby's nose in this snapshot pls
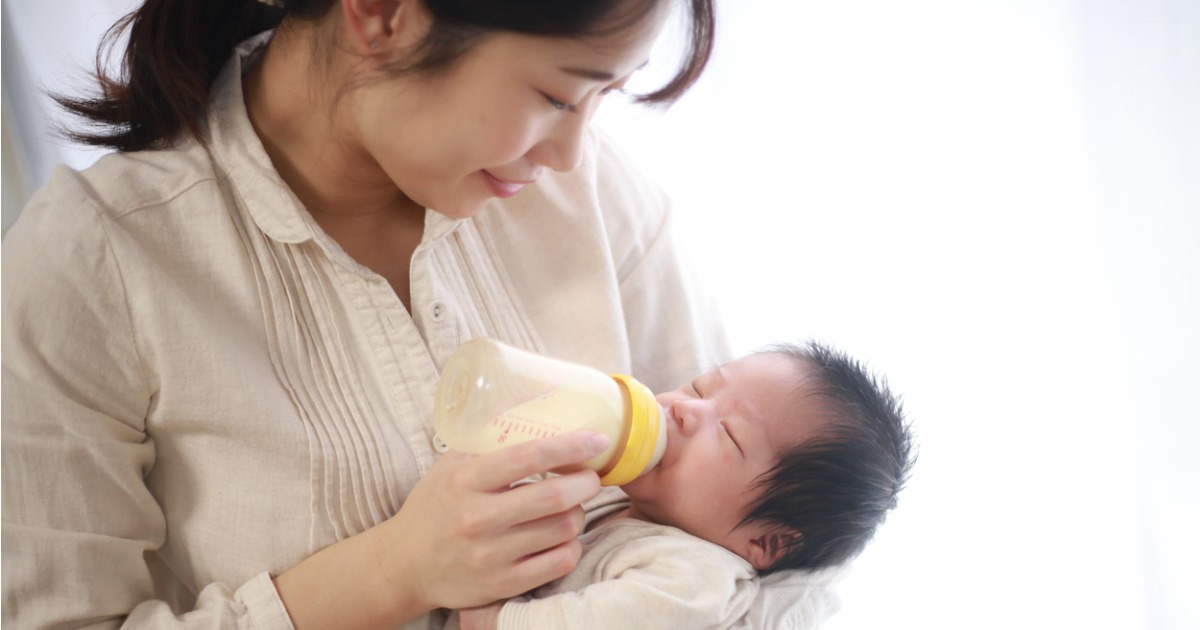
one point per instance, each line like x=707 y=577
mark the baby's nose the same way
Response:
x=691 y=413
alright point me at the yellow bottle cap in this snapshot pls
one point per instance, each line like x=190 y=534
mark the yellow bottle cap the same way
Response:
x=643 y=437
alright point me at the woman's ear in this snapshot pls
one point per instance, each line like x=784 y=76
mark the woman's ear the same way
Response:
x=769 y=545
x=381 y=25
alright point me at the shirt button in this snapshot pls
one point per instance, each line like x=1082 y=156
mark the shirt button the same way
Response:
x=439 y=445
x=437 y=311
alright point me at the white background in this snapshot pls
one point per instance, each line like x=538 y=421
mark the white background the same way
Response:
x=996 y=203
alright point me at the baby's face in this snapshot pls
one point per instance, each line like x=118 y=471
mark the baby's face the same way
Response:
x=724 y=430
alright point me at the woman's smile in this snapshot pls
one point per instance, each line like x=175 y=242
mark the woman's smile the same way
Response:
x=502 y=187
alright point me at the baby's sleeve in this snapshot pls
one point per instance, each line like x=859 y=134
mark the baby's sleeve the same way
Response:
x=651 y=583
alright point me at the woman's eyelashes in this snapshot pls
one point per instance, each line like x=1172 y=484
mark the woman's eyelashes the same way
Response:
x=564 y=106
x=557 y=104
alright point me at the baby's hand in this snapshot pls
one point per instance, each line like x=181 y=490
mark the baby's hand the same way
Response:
x=481 y=618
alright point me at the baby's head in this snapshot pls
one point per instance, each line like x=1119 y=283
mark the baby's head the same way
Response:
x=790 y=458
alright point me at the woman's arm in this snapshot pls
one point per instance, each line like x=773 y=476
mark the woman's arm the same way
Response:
x=463 y=538
x=78 y=519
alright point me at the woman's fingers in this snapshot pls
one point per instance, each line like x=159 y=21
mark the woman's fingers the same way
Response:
x=490 y=479
x=531 y=537
x=536 y=569
x=528 y=555
x=530 y=503
x=502 y=468
x=465 y=536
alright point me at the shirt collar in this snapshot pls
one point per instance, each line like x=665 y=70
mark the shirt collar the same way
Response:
x=271 y=204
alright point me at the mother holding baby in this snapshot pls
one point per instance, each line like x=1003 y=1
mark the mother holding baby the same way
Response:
x=221 y=342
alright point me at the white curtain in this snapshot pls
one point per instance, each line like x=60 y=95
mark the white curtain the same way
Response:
x=997 y=204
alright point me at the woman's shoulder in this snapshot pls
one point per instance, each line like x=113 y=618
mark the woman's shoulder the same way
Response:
x=618 y=176
x=144 y=199
x=119 y=184
x=615 y=167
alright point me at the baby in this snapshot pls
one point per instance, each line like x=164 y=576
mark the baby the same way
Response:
x=784 y=459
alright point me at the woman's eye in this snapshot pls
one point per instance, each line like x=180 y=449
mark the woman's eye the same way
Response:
x=557 y=104
x=618 y=87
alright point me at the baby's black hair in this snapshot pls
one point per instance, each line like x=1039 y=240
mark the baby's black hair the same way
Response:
x=835 y=489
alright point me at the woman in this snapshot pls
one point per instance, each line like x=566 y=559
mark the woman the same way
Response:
x=220 y=343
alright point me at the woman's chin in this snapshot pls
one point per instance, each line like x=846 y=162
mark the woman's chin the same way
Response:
x=461 y=209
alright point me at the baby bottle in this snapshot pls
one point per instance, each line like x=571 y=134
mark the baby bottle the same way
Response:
x=492 y=395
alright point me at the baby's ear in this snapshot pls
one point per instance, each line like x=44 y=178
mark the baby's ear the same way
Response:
x=769 y=546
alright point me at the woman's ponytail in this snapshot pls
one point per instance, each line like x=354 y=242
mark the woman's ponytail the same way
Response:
x=175 y=50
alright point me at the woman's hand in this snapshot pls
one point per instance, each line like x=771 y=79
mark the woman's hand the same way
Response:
x=464 y=537
x=481 y=618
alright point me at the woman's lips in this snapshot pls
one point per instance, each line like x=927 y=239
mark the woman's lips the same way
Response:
x=504 y=187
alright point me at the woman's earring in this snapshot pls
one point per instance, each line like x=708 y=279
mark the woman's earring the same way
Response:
x=374 y=45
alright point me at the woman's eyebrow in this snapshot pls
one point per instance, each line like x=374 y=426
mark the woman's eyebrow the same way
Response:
x=595 y=75
x=587 y=73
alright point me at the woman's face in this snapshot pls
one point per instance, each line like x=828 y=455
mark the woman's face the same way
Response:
x=507 y=110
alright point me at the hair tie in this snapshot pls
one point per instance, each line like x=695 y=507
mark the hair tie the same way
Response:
x=278 y=4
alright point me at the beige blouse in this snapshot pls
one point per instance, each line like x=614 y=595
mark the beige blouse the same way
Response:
x=200 y=388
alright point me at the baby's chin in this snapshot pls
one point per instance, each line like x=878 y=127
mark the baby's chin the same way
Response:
x=639 y=488
x=646 y=500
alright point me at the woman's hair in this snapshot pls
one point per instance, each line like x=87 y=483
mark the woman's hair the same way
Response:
x=835 y=489
x=177 y=47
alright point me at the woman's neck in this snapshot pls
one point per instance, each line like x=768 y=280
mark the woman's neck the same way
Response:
x=295 y=106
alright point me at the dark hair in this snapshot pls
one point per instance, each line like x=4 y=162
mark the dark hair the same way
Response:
x=836 y=489
x=177 y=47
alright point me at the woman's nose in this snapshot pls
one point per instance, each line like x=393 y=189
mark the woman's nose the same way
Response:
x=562 y=148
